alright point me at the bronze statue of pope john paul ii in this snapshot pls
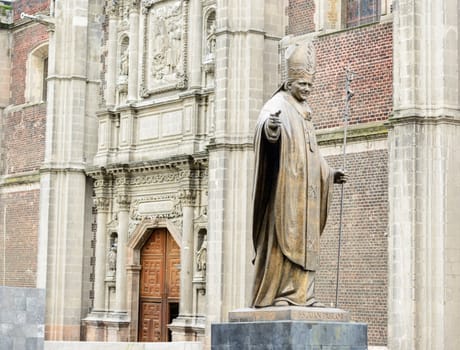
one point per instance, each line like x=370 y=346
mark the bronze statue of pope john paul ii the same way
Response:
x=292 y=190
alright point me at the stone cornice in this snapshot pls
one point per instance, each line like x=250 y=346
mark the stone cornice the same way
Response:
x=170 y=163
x=358 y=132
x=229 y=146
x=20 y=179
x=418 y=117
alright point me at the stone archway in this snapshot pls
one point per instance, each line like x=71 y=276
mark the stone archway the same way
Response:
x=153 y=309
x=159 y=286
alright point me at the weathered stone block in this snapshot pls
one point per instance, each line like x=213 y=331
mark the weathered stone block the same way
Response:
x=22 y=318
x=289 y=335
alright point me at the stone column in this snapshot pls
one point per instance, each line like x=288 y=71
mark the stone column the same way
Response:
x=133 y=86
x=196 y=38
x=424 y=245
x=102 y=206
x=64 y=189
x=123 y=222
x=110 y=97
x=182 y=326
x=187 y=252
x=246 y=69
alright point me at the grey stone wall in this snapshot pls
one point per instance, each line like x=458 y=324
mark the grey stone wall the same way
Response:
x=22 y=317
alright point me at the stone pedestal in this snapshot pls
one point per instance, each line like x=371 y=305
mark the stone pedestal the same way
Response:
x=289 y=328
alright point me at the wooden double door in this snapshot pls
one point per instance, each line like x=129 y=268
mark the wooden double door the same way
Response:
x=159 y=286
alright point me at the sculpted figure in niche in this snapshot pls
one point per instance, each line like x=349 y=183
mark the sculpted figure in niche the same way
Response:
x=112 y=257
x=293 y=188
x=124 y=62
x=211 y=37
x=202 y=256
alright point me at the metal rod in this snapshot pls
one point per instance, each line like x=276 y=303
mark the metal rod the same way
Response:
x=349 y=95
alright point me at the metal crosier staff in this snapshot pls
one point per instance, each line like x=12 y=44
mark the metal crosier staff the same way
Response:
x=349 y=95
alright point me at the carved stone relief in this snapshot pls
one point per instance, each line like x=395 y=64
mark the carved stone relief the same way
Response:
x=164 y=46
x=166 y=206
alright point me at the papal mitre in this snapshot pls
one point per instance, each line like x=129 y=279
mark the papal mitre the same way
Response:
x=301 y=61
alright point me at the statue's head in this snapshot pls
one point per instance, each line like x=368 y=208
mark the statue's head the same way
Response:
x=301 y=64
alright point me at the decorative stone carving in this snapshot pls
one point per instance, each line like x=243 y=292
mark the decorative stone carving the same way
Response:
x=112 y=8
x=167 y=206
x=123 y=201
x=211 y=35
x=159 y=178
x=165 y=46
x=187 y=196
x=112 y=260
x=202 y=256
x=124 y=61
x=210 y=43
x=102 y=203
x=123 y=69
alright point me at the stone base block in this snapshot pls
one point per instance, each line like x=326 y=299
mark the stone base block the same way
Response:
x=22 y=318
x=289 y=335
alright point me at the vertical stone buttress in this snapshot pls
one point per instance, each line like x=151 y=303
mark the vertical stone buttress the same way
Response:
x=246 y=73
x=70 y=141
x=424 y=245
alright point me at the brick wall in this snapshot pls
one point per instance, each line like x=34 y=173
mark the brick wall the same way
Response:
x=24 y=139
x=23 y=144
x=24 y=41
x=30 y=7
x=364 y=262
x=368 y=51
x=18 y=238
x=301 y=17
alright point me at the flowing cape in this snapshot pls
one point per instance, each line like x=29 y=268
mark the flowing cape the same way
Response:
x=292 y=176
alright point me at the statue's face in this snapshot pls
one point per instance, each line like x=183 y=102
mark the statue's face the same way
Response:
x=300 y=89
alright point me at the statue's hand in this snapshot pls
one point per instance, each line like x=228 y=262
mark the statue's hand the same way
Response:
x=272 y=126
x=340 y=177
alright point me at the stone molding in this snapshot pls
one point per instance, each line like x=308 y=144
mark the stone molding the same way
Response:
x=358 y=132
x=417 y=118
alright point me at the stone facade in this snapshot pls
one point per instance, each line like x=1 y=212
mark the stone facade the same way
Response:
x=145 y=122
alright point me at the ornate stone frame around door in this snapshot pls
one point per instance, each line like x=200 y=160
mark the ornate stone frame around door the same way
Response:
x=135 y=243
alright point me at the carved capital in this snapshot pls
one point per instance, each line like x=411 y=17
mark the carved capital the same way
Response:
x=146 y=4
x=101 y=203
x=123 y=201
x=187 y=197
x=112 y=8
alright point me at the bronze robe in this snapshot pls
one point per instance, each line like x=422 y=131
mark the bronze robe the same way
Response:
x=293 y=186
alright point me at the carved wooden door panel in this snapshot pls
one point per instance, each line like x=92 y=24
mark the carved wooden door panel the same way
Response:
x=159 y=286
